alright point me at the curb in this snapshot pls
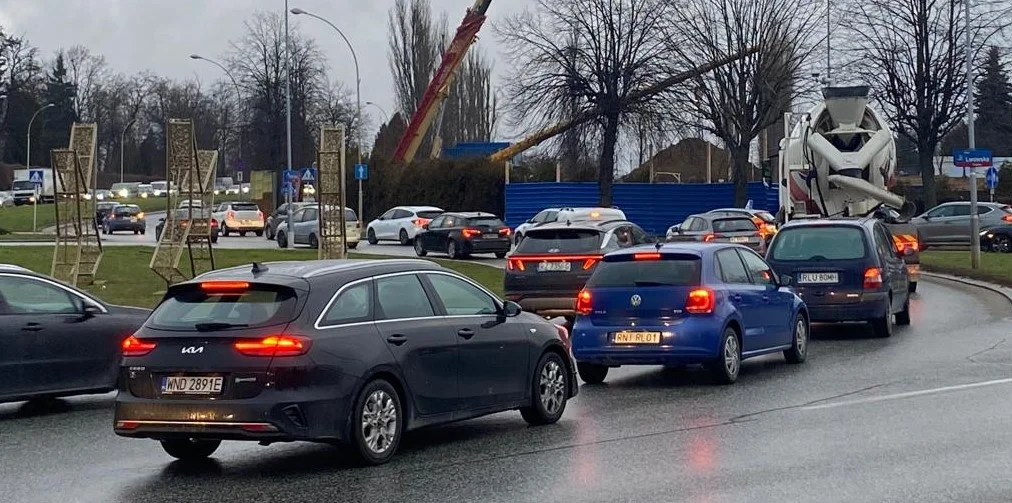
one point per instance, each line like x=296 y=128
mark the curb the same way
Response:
x=998 y=289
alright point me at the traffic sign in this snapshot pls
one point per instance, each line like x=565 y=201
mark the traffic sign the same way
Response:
x=36 y=176
x=361 y=171
x=991 y=178
x=972 y=158
x=287 y=188
x=287 y=175
x=309 y=175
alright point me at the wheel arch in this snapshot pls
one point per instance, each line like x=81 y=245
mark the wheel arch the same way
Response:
x=733 y=323
x=391 y=376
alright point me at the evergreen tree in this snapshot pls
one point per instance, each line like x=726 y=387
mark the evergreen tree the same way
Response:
x=993 y=103
x=55 y=122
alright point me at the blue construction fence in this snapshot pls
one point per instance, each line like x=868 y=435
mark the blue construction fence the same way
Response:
x=654 y=207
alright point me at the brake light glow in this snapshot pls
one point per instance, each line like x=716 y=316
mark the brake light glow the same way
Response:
x=700 y=301
x=1006 y=218
x=515 y=264
x=906 y=241
x=224 y=286
x=583 y=302
x=230 y=215
x=505 y=231
x=274 y=345
x=708 y=238
x=420 y=222
x=260 y=215
x=587 y=264
x=647 y=256
x=470 y=233
x=132 y=346
x=872 y=278
x=214 y=222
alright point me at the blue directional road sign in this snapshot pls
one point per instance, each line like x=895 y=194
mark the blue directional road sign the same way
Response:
x=309 y=175
x=287 y=188
x=972 y=158
x=36 y=176
x=288 y=174
x=361 y=171
x=991 y=178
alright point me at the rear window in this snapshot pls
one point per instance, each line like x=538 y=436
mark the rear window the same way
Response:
x=127 y=210
x=350 y=216
x=560 y=241
x=733 y=225
x=819 y=243
x=190 y=308
x=682 y=271
x=486 y=221
x=245 y=207
x=429 y=214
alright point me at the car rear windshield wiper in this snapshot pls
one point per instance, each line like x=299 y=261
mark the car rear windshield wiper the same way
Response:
x=208 y=327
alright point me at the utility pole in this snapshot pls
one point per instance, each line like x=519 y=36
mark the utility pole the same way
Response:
x=288 y=120
x=829 y=47
x=974 y=217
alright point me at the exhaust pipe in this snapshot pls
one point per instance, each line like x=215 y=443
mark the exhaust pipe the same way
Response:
x=906 y=208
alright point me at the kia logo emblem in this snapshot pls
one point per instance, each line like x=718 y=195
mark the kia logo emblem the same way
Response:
x=636 y=300
x=192 y=350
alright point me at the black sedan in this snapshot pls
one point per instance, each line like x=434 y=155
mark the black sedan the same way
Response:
x=57 y=340
x=349 y=351
x=462 y=234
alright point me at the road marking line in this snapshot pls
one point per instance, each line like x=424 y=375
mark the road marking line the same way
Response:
x=908 y=394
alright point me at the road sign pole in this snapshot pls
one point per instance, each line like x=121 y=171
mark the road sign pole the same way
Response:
x=35 y=210
x=974 y=217
x=360 y=217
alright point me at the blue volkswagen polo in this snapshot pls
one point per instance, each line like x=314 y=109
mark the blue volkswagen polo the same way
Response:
x=686 y=303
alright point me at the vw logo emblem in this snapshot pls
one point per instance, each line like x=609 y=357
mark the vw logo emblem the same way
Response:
x=636 y=300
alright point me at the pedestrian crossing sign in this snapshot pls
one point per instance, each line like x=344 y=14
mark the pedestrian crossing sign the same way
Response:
x=36 y=176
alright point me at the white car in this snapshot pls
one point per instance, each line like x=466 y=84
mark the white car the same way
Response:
x=546 y=215
x=401 y=224
x=550 y=215
x=241 y=217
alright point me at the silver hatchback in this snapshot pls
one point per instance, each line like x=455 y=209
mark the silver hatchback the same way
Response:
x=949 y=223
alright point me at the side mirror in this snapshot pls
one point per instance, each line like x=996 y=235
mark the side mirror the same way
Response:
x=786 y=279
x=90 y=310
x=512 y=309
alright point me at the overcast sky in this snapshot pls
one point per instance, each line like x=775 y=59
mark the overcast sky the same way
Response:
x=159 y=35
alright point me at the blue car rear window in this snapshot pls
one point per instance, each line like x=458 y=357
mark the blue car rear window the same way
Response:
x=640 y=273
x=819 y=243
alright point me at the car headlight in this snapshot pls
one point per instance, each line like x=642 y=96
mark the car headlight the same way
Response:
x=986 y=233
x=124 y=193
x=245 y=190
x=158 y=193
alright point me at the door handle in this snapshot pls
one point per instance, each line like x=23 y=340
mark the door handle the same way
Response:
x=397 y=339
x=766 y=298
x=32 y=327
x=466 y=333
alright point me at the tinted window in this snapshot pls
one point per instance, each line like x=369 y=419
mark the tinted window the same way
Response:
x=398 y=214
x=731 y=268
x=388 y=215
x=961 y=210
x=23 y=185
x=943 y=211
x=884 y=241
x=437 y=223
x=698 y=224
x=30 y=296
x=758 y=269
x=461 y=298
x=127 y=210
x=259 y=305
x=350 y=216
x=983 y=210
x=819 y=243
x=487 y=221
x=539 y=241
x=353 y=305
x=429 y=214
x=733 y=225
x=310 y=214
x=402 y=297
x=672 y=271
x=245 y=207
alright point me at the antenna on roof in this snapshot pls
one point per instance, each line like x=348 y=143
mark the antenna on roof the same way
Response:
x=259 y=268
x=658 y=245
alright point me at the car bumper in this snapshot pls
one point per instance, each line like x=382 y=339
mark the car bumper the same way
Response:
x=243 y=226
x=872 y=306
x=138 y=225
x=684 y=342
x=502 y=245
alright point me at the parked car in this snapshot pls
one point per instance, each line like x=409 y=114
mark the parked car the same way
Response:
x=764 y=220
x=718 y=228
x=306 y=226
x=401 y=224
x=58 y=340
x=685 y=303
x=351 y=351
x=279 y=217
x=184 y=215
x=845 y=270
x=949 y=223
x=124 y=217
x=550 y=266
x=241 y=217
x=460 y=235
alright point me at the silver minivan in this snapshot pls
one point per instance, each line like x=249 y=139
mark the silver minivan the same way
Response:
x=949 y=223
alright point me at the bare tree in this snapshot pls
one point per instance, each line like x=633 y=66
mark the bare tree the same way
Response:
x=912 y=52
x=587 y=56
x=414 y=51
x=470 y=110
x=737 y=101
x=86 y=72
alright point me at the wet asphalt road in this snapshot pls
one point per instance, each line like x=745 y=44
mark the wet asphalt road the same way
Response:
x=924 y=416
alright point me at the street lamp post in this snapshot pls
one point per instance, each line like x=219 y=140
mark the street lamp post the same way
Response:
x=358 y=100
x=974 y=217
x=288 y=117
x=238 y=100
x=122 y=138
x=386 y=116
x=28 y=157
x=28 y=165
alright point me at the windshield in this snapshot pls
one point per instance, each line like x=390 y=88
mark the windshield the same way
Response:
x=561 y=241
x=350 y=216
x=429 y=214
x=190 y=305
x=23 y=185
x=159 y=185
x=486 y=221
x=674 y=271
x=734 y=225
x=819 y=243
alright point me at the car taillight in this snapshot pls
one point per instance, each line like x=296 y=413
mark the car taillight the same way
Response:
x=470 y=233
x=647 y=256
x=583 y=302
x=515 y=264
x=224 y=286
x=230 y=215
x=274 y=345
x=505 y=232
x=708 y=238
x=699 y=301
x=589 y=263
x=260 y=215
x=214 y=223
x=132 y=346
x=420 y=222
x=1006 y=218
x=872 y=278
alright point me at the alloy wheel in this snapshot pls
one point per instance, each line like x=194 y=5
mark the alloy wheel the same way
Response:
x=379 y=422
x=801 y=336
x=732 y=358
x=552 y=386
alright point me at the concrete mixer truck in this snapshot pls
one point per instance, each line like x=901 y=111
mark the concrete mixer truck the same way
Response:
x=839 y=161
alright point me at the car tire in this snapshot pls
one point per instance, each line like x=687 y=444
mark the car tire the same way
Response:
x=282 y=240
x=381 y=402
x=105 y=230
x=353 y=245
x=419 y=249
x=912 y=287
x=136 y=232
x=799 y=344
x=269 y=234
x=549 y=392
x=144 y=231
x=242 y=234
x=726 y=368
x=371 y=237
x=214 y=239
x=314 y=243
x=259 y=233
x=500 y=254
x=883 y=327
x=403 y=238
x=224 y=231
x=592 y=373
x=1002 y=244
x=452 y=250
x=190 y=449
x=903 y=317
